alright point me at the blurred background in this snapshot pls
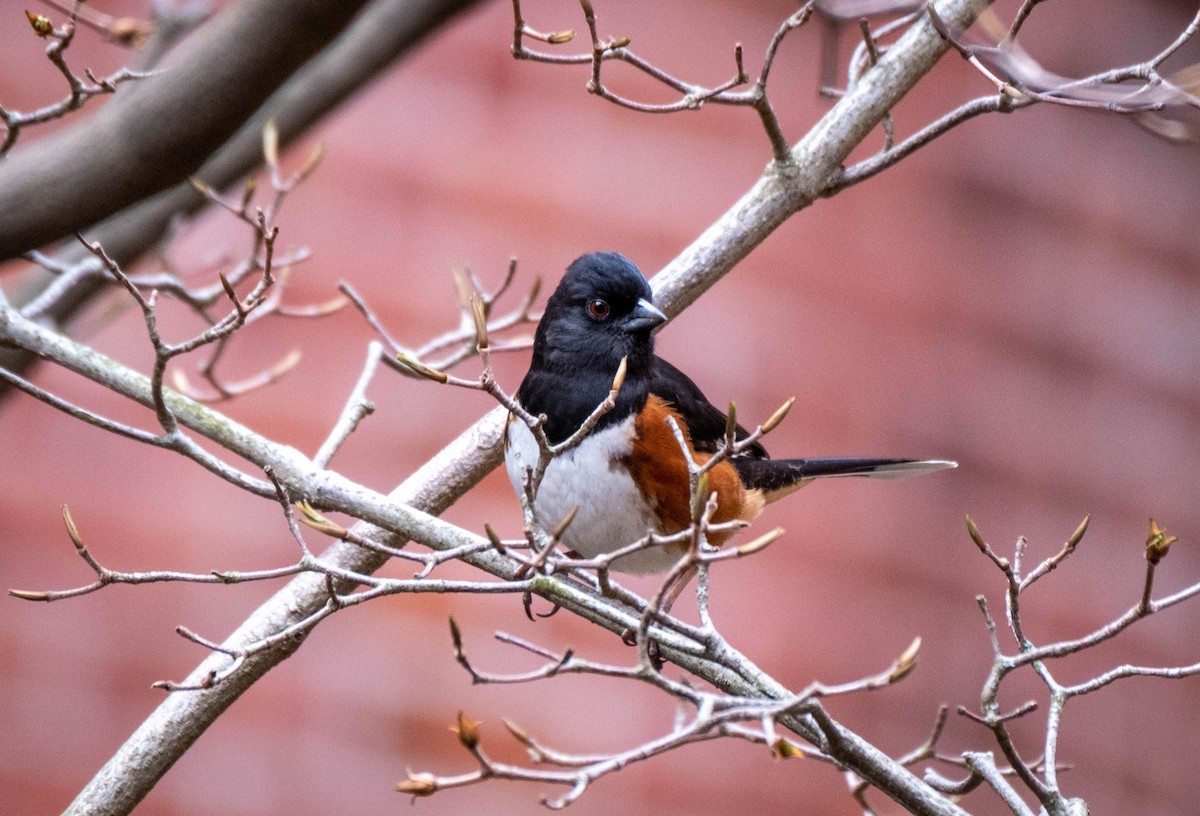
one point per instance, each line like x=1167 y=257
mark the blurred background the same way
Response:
x=1019 y=296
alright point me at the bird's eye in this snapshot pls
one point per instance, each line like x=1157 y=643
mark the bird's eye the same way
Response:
x=599 y=309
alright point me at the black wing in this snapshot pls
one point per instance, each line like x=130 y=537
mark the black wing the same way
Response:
x=705 y=421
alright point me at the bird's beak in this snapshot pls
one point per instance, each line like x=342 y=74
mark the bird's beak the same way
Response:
x=645 y=316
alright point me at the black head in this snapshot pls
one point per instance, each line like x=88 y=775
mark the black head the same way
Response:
x=601 y=311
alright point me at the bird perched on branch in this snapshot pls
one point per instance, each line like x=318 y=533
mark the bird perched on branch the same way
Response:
x=628 y=475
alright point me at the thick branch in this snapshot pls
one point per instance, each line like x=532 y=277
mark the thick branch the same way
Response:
x=195 y=106
x=382 y=33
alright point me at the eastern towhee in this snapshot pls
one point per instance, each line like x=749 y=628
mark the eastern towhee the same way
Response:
x=628 y=476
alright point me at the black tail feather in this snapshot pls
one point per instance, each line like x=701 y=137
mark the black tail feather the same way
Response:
x=774 y=475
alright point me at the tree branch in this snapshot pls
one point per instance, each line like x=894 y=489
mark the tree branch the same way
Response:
x=383 y=32
x=814 y=164
x=195 y=105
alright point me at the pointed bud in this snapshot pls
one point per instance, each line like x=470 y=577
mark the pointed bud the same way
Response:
x=619 y=377
x=228 y=287
x=479 y=314
x=906 y=663
x=72 y=530
x=129 y=31
x=455 y=635
x=463 y=290
x=467 y=730
x=1077 y=536
x=41 y=24
x=731 y=421
x=310 y=517
x=497 y=544
x=270 y=137
x=561 y=528
x=620 y=42
x=777 y=417
x=1158 y=543
x=26 y=595
x=198 y=185
x=417 y=367
x=314 y=158
x=973 y=532
x=782 y=749
x=535 y=289
x=560 y=37
x=760 y=543
x=248 y=191
x=289 y=361
x=518 y=733
x=419 y=784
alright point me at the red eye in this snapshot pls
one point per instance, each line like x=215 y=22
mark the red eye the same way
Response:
x=598 y=308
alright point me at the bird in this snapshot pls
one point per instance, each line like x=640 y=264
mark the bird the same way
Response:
x=628 y=476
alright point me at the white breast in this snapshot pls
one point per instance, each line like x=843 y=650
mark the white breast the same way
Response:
x=612 y=511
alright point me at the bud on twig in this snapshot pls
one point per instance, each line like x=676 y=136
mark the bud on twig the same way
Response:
x=314 y=158
x=72 y=530
x=973 y=532
x=248 y=192
x=417 y=367
x=130 y=31
x=619 y=377
x=497 y=544
x=27 y=595
x=1077 y=536
x=783 y=749
x=479 y=314
x=289 y=361
x=1158 y=543
x=561 y=528
x=41 y=24
x=777 y=417
x=270 y=134
x=906 y=663
x=467 y=731
x=229 y=290
x=518 y=733
x=420 y=784
x=310 y=517
x=751 y=547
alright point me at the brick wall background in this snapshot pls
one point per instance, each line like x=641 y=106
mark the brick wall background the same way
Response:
x=1021 y=296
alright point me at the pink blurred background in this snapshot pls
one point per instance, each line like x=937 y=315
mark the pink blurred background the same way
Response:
x=1020 y=296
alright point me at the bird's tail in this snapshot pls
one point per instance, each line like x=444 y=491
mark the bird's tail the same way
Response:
x=778 y=477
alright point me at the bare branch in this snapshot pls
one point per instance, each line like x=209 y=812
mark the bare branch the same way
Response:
x=1014 y=72
x=81 y=89
x=97 y=156
x=693 y=97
